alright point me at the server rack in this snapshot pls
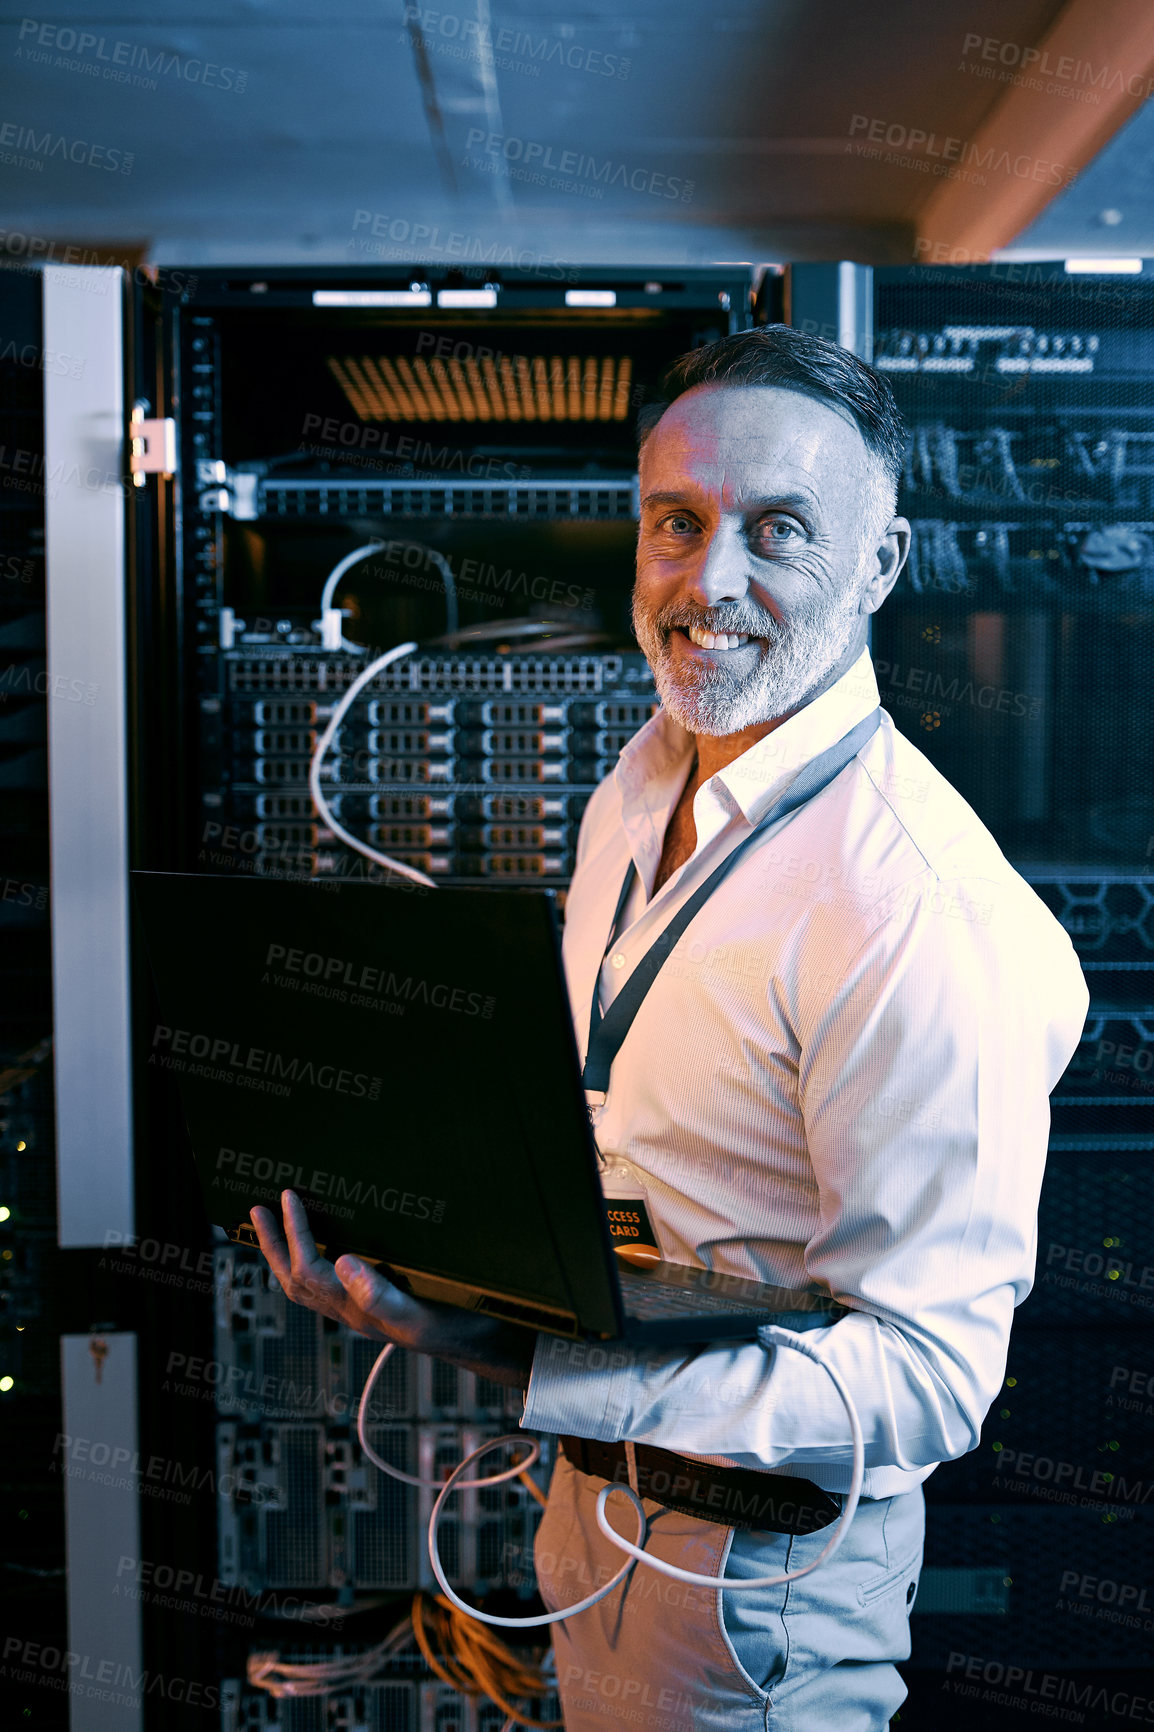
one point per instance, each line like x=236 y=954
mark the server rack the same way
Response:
x=1017 y=651
x=470 y=451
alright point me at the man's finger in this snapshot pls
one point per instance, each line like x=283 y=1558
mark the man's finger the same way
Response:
x=272 y=1242
x=303 y=1253
x=303 y=1274
x=313 y=1279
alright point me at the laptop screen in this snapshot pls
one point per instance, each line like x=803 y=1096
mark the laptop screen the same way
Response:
x=401 y=1058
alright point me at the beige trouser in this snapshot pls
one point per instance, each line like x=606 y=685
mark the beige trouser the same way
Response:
x=809 y=1656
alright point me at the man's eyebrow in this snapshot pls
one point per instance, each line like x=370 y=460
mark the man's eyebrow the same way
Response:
x=798 y=501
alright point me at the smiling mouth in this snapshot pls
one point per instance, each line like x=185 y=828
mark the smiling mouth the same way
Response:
x=722 y=642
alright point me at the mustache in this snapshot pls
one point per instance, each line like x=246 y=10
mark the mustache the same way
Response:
x=764 y=626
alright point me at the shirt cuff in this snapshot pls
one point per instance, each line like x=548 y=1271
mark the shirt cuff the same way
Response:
x=580 y=1388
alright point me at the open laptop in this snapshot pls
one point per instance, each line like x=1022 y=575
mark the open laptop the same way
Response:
x=404 y=1059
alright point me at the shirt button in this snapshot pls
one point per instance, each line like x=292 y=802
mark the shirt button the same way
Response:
x=617 y=959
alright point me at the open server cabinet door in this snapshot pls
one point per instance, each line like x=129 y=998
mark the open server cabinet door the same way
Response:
x=357 y=459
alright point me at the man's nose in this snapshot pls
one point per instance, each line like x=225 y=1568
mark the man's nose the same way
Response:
x=723 y=571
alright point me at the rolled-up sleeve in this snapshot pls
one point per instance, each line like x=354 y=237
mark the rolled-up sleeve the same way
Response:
x=923 y=1080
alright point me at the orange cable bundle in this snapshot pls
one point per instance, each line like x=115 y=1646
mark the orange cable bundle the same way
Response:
x=481 y=1664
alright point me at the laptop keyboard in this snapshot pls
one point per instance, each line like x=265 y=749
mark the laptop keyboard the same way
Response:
x=646 y=1298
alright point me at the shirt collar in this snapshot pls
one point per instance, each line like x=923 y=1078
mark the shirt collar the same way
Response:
x=763 y=772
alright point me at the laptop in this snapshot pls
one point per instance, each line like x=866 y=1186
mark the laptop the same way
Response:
x=404 y=1059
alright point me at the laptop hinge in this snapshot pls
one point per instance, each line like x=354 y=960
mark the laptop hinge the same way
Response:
x=461 y=1293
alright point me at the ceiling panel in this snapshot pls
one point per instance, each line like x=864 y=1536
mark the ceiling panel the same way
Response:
x=354 y=129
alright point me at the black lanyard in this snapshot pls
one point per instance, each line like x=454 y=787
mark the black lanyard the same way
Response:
x=607 y=1032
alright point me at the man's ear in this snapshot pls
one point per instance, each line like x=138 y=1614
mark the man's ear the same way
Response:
x=890 y=556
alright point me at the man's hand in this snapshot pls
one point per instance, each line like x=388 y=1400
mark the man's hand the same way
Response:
x=353 y=1293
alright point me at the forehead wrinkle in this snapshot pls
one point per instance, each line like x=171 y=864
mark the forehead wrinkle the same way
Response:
x=804 y=450
x=801 y=459
x=721 y=414
x=745 y=488
x=757 y=461
x=723 y=426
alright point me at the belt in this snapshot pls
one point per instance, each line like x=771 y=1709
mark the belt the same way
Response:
x=738 y=1497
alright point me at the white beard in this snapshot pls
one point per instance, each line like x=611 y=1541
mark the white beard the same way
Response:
x=795 y=660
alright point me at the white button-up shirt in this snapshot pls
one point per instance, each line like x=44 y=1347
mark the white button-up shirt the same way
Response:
x=838 y=1081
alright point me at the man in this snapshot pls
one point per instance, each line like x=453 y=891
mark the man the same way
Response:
x=837 y=1081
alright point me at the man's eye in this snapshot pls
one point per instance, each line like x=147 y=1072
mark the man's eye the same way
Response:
x=678 y=523
x=779 y=529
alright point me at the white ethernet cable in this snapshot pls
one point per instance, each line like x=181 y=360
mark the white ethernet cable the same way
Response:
x=413 y=1479
x=332 y=637
x=322 y=746
x=782 y=1338
x=331 y=627
x=341 y=710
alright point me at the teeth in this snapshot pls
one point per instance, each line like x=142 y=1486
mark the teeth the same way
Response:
x=717 y=640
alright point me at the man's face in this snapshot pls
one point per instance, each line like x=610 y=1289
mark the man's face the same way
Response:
x=755 y=503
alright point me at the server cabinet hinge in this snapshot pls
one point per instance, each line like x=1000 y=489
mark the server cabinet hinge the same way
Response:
x=152 y=448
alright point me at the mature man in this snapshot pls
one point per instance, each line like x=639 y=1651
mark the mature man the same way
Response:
x=838 y=1080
